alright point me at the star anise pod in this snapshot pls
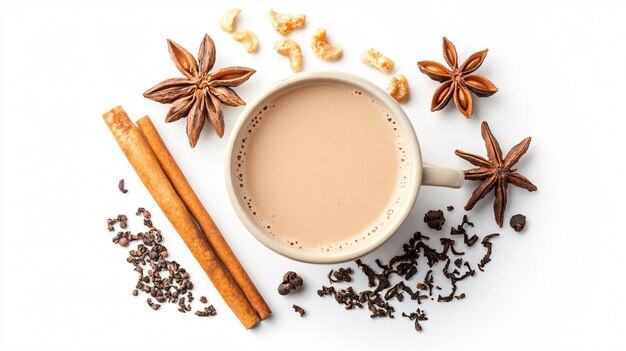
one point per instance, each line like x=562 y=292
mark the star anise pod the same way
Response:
x=458 y=81
x=495 y=172
x=200 y=94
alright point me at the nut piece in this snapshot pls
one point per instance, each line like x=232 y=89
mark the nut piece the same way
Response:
x=376 y=59
x=398 y=88
x=291 y=49
x=284 y=23
x=324 y=50
x=228 y=20
x=249 y=40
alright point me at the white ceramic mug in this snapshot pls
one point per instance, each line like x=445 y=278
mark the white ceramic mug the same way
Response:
x=420 y=173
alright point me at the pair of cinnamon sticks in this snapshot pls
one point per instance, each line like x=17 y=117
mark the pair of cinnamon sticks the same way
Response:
x=155 y=166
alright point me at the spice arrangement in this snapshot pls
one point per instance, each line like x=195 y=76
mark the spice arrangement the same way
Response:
x=162 y=177
x=199 y=96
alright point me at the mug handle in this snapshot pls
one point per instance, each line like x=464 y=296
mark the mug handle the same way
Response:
x=442 y=176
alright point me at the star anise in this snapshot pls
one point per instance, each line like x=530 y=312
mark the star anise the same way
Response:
x=200 y=94
x=459 y=81
x=495 y=172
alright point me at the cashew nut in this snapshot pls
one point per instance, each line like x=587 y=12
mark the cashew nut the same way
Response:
x=290 y=49
x=284 y=23
x=398 y=88
x=376 y=59
x=249 y=40
x=228 y=19
x=324 y=50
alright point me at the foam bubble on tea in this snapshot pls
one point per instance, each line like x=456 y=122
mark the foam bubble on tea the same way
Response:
x=322 y=166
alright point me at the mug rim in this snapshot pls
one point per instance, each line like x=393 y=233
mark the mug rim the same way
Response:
x=411 y=191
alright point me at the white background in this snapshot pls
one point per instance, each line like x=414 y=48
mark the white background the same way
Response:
x=559 y=68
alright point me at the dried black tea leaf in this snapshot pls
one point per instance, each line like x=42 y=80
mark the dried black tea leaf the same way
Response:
x=488 y=245
x=120 y=186
x=340 y=275
x=382 y=293
x=299 y=310
x=416 y=316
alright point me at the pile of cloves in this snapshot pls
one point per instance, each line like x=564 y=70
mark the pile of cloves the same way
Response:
x=121 y=219
x=163 y=280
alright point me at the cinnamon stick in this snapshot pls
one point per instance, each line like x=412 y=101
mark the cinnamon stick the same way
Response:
x=151 y=174
x=202 y=217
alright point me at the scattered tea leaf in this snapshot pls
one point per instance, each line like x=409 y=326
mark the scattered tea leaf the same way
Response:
x=299 y=310
x=120 y=185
